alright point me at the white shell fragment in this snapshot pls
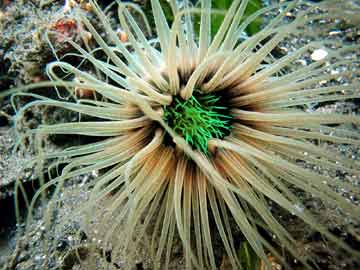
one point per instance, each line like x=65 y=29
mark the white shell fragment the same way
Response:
x=319 y=54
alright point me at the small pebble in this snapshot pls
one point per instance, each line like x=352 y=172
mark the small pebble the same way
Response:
x=319 y=54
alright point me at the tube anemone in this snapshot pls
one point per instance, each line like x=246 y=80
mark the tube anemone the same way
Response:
x=201 y=132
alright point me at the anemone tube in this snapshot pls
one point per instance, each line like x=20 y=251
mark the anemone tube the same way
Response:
x=160 y=171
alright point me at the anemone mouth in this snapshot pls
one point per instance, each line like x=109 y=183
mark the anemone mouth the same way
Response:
x=199 y=119
x=203 y=115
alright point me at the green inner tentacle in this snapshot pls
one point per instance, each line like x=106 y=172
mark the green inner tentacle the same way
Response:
x=198 y=119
